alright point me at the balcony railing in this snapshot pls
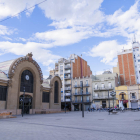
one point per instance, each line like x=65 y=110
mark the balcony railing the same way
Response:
x=68 y=88
x=103 y=88
x=67 y=67
x=102 y=97
x=67 y=77
x=77 y=86
x=80 y=101
x=133 y=98
x=67 y=83
x=68 y=94
x=67 y=61
x=80 y=94
x=68 y=100
x=86 y=85
x=67 y=72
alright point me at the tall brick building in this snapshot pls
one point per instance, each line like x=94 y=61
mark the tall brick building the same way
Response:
x=68 y=69
x=129 y=65
x=126 y=68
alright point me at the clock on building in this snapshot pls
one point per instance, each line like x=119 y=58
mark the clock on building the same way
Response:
x=27 y=77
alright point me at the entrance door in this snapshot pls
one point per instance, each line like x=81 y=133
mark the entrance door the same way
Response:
x=27 y=103
x=103 y=104
x=134 y=105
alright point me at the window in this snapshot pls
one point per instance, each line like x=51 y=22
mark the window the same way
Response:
x=86 y=90
x=137 y=49
x=109 y=85
x=61 y=68
x=81 y=83
x=134 y=56
x=45 y=97
x=3 y=92
x=96 y=86
x=56 y=92
x=75 y=98
x=133 y=95
x=138 y=55
x=80 y=91
x=134 y=50
x=75 y=83
x=26 y=82
x=86 y=82
x=123 y=96
x=103 y=86
x=138 y=60
x=76 y=91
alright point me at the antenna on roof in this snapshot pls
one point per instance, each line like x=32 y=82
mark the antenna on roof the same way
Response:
x=134 y=38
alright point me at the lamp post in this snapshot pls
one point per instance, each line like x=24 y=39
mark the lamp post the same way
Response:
x=23 y=103
x=82 y=100
x=109 y=102
x=112 y=93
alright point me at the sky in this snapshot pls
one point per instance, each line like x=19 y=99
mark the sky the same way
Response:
x=97 y=29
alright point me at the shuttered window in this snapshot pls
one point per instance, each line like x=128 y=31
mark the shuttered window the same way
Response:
x=46 y=97
x=56 y=92
x=3 y=92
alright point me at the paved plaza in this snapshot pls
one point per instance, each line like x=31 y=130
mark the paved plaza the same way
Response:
x=95 y=125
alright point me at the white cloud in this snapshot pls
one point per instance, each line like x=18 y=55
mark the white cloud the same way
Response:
x=5 y=31
x=41 y=54
x=107 y=51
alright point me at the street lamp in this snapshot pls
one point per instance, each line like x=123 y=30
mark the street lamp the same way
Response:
x=112 y=93
x=23 y=103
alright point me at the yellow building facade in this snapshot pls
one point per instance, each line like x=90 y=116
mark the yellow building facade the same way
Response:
x=122 y=94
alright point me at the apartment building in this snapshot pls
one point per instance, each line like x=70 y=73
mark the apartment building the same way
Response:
x=77 y=93
x=129 y=65
x=102 y=84
x=67 y=69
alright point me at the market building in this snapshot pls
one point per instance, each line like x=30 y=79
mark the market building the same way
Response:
x=24 y=74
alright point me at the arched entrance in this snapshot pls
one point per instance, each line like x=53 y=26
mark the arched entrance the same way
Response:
x=27 y=103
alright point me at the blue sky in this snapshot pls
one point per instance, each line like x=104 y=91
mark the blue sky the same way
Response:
x=58 y=28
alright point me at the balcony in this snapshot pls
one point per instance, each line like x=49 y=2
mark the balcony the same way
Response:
x=67 y=77
x=77 y=86
x=102 y=97
x=67 y=94
x=67 y=61
x=80 y=101
x=86 y=85
x=67 y=67
x=68 y=88
x=80 y=94
x=68 y=100
x=133 y=98
x=67 y=83
x=103 y=88
x=67 y=72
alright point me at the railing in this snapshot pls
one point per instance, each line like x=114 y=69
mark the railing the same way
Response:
x=80 y=101
x=68 y=94
x=67 y=61
x=102 y=97
x=67 y=77
x=103 y=88
x=67 y=72
x=67 y=83
x=80 y=94
x=77 y=86
x=86 y=85
x=68 y=100
x=68 y=88
x=133 y=97
x=67 y=67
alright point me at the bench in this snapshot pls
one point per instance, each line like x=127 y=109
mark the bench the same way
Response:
x=114 y=112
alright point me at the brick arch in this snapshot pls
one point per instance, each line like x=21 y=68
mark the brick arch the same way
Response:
x=20 y=60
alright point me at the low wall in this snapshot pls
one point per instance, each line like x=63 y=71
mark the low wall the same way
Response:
x=14 y=112
x=2 y=104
